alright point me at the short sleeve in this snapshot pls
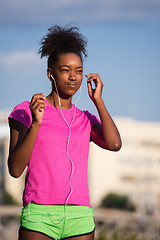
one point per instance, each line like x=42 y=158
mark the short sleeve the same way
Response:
x=92 y=118
x=22 y=114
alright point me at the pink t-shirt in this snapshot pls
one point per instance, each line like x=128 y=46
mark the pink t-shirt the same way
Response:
x=49 y=168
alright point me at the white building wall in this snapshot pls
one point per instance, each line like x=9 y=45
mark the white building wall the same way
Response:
x=134 y=170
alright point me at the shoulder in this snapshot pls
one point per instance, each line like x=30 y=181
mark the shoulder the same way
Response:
x=24 y=105
x=89 y=116
x=22 y=113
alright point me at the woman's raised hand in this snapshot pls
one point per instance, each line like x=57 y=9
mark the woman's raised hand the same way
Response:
x=95 y=93
x=37 y=106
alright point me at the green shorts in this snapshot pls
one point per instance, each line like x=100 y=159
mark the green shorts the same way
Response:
x=57 y=221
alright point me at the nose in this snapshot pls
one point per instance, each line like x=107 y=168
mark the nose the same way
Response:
x=72 y=76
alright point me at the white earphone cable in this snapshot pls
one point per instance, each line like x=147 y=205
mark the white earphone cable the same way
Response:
x=71 y=161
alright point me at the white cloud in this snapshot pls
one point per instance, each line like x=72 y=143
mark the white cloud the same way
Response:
x=22 y=73
x=40 y=12
x=20 y=59
x=21 y=67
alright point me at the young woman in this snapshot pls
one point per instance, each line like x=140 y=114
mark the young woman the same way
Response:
x=50 y=136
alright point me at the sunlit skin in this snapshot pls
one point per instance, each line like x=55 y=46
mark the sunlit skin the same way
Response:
x=68 y=74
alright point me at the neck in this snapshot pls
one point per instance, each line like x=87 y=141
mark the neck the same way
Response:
x=53 y=99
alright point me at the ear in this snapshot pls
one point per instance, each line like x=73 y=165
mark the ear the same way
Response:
x=49 y=73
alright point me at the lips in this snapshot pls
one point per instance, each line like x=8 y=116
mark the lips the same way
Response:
x=72 y=84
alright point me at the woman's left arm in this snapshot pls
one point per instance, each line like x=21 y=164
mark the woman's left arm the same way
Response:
x=106 y=134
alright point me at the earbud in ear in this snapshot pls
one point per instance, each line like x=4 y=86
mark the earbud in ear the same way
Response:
x=52 y=77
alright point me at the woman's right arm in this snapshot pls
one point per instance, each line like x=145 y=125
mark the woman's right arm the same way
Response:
x=22 y=139
x=22 y=142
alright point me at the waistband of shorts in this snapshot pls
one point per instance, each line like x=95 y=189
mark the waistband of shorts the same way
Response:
x=68 y=210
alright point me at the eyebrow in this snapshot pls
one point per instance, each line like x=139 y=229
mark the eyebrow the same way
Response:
x=68 y=66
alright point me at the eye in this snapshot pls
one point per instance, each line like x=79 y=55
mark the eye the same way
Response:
x=65 y=70
x=79 y=71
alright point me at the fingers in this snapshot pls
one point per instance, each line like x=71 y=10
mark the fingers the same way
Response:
x=37 y=106
x=37 y=101
x=38 y=96
x=89 y=85
x=92 y=76
x=96 y=92
x=95 y=78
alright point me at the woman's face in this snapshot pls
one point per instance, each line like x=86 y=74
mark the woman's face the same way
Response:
x=68 y=74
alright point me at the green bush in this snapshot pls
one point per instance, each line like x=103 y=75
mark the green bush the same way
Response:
x=102 y=235
x=113 y=200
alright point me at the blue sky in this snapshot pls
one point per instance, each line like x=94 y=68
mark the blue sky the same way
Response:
x=123 y=48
